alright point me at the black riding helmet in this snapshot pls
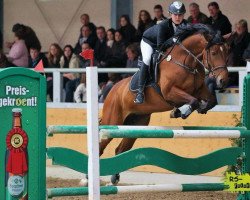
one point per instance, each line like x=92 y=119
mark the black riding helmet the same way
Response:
x=177 y=8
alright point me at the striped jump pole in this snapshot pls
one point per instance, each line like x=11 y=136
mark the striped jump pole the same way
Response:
x=149 y=133
x=107 y=190
x=82 y=129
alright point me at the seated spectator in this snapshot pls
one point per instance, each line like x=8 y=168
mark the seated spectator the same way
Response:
x=100 y=49
x=101 y=52
x=70 y=80
x=132 y=53
x=110 y=37
x=117 y=58
x=196 y=16
x=86 y=63
x=80 y=95
x=54 y=56
x=36 y=56
x=85 y=37
x=127 y=29
x=113 y=79
x=18 y=54
x=240 y=39
x=144 y=22
x=86 y=22
x=217 y=20
x=158 y=12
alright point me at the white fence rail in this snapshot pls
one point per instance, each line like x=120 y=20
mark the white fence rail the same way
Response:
x=57 y=86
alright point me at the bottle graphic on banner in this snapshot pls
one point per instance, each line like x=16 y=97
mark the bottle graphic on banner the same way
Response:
x=16 y=159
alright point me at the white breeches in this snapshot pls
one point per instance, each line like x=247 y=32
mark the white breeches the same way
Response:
x=147 y=52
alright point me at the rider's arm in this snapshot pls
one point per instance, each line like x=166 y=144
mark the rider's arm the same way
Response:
x=163 y=32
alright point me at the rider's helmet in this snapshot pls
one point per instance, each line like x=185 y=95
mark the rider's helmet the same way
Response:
x=177 y=8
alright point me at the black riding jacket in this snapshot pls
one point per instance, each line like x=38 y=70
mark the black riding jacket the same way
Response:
x=156 y=35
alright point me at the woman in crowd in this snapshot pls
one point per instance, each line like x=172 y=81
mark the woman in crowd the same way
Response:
x=239 y=40
x=117 y=57
x=70 y=80
x=127 y=29
x=110 y=37
x=54 y=55
x=18 y=54
x=144 y=22
x=132 y=52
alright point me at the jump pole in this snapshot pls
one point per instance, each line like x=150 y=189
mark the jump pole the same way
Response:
x=93 y=134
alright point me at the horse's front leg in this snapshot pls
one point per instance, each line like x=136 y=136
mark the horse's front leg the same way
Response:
x=207 y=100
x=180 y=97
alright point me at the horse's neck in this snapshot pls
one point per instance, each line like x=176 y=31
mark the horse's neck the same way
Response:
x=195 y=44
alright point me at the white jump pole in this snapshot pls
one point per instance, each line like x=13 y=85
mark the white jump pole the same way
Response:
x=93 y=134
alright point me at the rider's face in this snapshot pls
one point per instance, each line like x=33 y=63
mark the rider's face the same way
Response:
x=177 y=18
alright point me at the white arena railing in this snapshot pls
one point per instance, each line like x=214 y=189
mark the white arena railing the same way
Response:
x=58 y=94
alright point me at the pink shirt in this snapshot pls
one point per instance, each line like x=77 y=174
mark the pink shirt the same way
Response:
x=19 y=54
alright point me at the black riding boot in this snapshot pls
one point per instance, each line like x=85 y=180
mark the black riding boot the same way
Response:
x=139 y=99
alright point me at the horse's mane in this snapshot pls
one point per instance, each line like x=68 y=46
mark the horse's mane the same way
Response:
x=185 y=30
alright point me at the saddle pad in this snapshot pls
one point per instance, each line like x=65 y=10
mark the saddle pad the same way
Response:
x=133 y=85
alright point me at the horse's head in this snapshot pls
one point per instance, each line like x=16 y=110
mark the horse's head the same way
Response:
x=215 y=58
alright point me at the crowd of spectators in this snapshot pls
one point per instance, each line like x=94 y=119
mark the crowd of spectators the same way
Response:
x=116 y=48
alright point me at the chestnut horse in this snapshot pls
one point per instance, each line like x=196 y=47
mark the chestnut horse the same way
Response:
x=181 y=80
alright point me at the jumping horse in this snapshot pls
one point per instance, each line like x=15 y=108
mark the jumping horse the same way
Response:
x=181 y=81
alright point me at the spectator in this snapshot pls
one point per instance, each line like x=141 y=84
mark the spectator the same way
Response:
x=117 y=58
x=101 y=45
x=132 y=53
x=127 y=29
x=18 y=54
x=29 y=37
x=36 y=56
x=196 y=16
x=101 y=52
x=80 y=95
x=113 y=79
x=85 y=37
x=144 y=22
x=54 y=55
x=240 y=39
x=217 y=20
x=110 y=37
x=158 y=12
x=86 y=22
x=71 y=80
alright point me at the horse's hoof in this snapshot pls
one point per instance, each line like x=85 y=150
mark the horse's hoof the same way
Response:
x=115 y=179
x=176 y=113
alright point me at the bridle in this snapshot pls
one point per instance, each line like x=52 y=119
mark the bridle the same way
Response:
x=186 y=67
x=209 y=67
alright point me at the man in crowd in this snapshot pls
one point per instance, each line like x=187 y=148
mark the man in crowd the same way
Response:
x=217 y=20
x=196 y=16
x=158 y=12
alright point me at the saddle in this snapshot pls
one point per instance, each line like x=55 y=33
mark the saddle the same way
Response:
x=152 y=75
x=153 y=69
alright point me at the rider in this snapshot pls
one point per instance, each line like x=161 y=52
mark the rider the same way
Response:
x=153 y=38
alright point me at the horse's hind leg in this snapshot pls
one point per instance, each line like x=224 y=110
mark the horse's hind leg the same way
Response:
x=127 y=143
